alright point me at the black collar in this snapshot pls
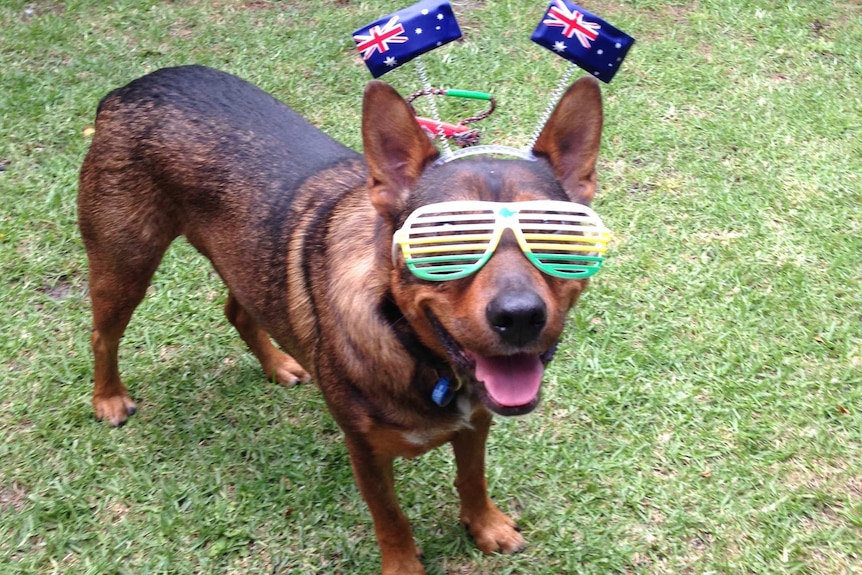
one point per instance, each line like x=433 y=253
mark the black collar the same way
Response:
x=408 y=339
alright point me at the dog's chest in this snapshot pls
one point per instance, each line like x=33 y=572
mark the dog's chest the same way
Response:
x=422 y=435
x=428 y=438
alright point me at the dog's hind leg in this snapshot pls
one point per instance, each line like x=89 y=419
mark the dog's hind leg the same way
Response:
x=114 y=297
x=127 y=225
x=120 y=272
x=277 y=365
x=492 y=529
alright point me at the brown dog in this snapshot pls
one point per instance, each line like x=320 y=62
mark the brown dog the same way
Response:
x=300 y=229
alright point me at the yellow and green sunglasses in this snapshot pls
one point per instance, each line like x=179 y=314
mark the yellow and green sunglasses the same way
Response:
x=452 y=240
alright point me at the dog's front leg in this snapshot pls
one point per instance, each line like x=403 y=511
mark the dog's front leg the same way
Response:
x=492 y=529
x=376 y=480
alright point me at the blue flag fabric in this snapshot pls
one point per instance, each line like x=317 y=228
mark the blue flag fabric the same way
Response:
x=583 y=38
x=401 y=36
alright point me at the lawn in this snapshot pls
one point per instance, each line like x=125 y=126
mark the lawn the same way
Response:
x=704 y=412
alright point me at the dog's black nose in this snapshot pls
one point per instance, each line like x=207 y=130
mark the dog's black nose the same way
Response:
x=518 y=316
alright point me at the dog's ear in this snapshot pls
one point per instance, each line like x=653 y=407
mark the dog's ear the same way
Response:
x=396 y=148
x=571 y=137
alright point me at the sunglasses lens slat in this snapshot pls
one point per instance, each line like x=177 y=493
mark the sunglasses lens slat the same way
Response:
x=562 y=258
x=569 y=266
x=578 y=247
x=445 y=267
x=428 y=260
x=443 y=243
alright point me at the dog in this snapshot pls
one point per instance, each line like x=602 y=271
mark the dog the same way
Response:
x=300 y=228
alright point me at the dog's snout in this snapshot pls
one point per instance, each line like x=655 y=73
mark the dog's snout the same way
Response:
x=517 y=316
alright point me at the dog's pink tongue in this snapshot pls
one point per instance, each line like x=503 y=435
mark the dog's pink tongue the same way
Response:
x=511 y=380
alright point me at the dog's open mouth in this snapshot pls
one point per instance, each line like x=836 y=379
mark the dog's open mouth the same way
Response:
x=505 y=384
x=510 y=384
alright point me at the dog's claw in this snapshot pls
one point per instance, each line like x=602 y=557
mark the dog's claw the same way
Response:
x=115 y=409
x=288 y=377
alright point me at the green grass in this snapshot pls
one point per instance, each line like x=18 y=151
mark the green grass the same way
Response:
x=704 y=414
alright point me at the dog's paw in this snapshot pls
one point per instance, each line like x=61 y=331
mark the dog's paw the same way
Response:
x=290 y=376
x=115 y=409
x=494 y=531
x=286 y=371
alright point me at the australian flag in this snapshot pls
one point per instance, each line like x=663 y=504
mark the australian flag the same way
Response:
x=401 y=36
x=583 y=38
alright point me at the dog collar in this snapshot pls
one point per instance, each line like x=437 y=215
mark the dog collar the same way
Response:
x=444 y=389
x=487 y=150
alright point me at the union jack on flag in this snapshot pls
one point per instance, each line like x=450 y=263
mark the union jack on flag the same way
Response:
x=401 y=36
x=572 y=22
x=583 y=38
x=379 y=38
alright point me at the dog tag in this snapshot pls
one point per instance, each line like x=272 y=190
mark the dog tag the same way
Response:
x=442 y=393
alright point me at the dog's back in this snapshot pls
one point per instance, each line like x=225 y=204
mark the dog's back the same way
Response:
x=156 y=169
x=195 y=112
x=171 y=129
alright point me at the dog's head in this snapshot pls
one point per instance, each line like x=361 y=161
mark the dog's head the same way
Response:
x=499 y=326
